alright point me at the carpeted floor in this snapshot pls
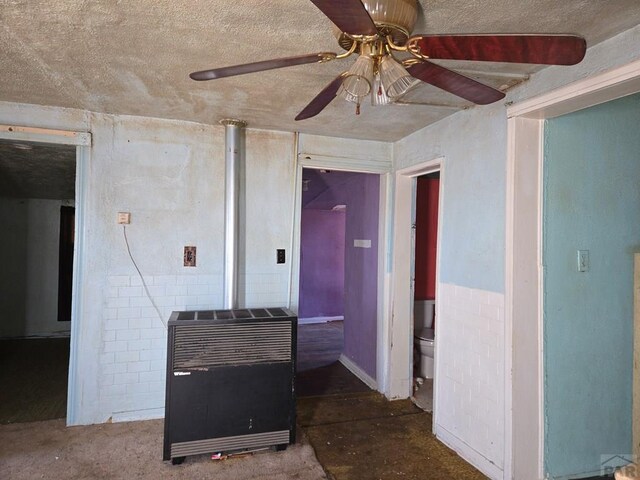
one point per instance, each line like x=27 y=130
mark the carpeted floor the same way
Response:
x=33 y=375
x=356 y=433
x=131 y=450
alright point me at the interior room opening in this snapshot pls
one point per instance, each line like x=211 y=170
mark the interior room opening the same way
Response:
x=425 y=236
x=338 y=274
x=591 y=173
x=37 y=210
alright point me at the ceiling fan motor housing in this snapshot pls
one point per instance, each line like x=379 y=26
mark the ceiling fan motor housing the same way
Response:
x=392 y=17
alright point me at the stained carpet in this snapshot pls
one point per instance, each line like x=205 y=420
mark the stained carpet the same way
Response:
x=33 y=376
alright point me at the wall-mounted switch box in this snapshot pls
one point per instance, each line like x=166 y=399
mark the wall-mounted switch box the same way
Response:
x=280 y=256
x=362 y=243
x=583 y=261
x=189 y=256
x=124 y=218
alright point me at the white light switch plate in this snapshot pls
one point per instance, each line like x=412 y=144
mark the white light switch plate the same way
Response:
x=362 y=243
x=583 y=261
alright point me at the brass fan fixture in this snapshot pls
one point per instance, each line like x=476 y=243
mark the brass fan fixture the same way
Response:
x=391 y=61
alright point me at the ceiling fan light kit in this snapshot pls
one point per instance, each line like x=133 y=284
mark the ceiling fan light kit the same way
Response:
x=359 y=77
x=380 y=30
x=395 y=77
x=379 y=96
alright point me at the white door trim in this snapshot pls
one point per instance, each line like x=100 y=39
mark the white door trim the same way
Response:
x=82 y=141
x=400 y=342
x=305 y=160
x=525 y=137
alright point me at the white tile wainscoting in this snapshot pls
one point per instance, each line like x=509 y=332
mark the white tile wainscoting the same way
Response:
x=134 y=340
x=470 y=340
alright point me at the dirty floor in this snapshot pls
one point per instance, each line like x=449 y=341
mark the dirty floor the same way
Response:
x=49 y=450
x=366 y=437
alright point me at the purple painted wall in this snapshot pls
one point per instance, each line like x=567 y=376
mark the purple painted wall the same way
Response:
x=322 y=263
x=360 y=193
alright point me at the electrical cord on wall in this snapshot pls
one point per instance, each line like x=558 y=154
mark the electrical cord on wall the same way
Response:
x=144 y=284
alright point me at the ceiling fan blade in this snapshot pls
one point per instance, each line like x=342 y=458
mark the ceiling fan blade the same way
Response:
x=261 y=66
x=455 y=83
x=321 y=100
x=542 y=49
x=349 y=16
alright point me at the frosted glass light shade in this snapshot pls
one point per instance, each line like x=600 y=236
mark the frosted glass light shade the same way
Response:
x=359 y=77
x=347 y=96
x=395 y=78
x=378 y=92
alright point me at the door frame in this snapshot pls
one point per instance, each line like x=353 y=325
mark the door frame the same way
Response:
x=82 y=142
x=401 y=332
x=307 y=160
x=524 y=405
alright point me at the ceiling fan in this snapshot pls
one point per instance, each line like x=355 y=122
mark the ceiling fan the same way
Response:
x=391 y=61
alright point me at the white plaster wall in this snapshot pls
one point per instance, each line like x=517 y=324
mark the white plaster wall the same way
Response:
x=38 y=264
x=370 y=151
x=13 y=276
x=474 y=146
x=170 y=176
x=43 y=243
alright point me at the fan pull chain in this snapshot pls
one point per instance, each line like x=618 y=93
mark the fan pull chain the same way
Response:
x=358 y=108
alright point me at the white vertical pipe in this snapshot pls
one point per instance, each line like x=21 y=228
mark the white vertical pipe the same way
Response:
x=233 y=156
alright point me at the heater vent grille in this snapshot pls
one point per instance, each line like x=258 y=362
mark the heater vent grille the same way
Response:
x=208 y=346
x=226 y=444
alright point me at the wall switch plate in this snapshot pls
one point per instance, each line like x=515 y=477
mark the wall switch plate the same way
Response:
x=190 y=256
x=280 y=256
x=124 y=218
x=583 y=261
x=362 y=243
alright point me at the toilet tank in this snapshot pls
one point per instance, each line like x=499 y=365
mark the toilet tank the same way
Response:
x=423 y=314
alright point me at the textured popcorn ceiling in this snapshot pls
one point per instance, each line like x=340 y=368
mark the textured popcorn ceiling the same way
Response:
x=134 y=57
x=44 y=171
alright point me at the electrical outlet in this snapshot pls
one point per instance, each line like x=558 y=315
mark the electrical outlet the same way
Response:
x=189 y=256
x=124 y=218
x=280 y=256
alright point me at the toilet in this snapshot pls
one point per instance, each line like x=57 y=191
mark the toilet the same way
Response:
x=424 y=335
x=423 y=340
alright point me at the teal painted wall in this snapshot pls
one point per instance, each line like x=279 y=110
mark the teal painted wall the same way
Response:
x=592 y=202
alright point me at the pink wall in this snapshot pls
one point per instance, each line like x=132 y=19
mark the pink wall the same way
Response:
x=322 y=263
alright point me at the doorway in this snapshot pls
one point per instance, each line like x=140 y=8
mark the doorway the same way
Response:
x=591 y=173
x=424 y=287
x=338 y=284
x=525 y=410
x=37 y=201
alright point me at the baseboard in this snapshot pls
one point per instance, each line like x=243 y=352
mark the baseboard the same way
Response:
x=358 y=372
x=137 y=415
x=308 y=320
x=586 y=475
x=38 y=335
x=475 y=458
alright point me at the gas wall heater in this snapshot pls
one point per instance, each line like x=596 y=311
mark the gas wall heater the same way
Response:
x=230 y=381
